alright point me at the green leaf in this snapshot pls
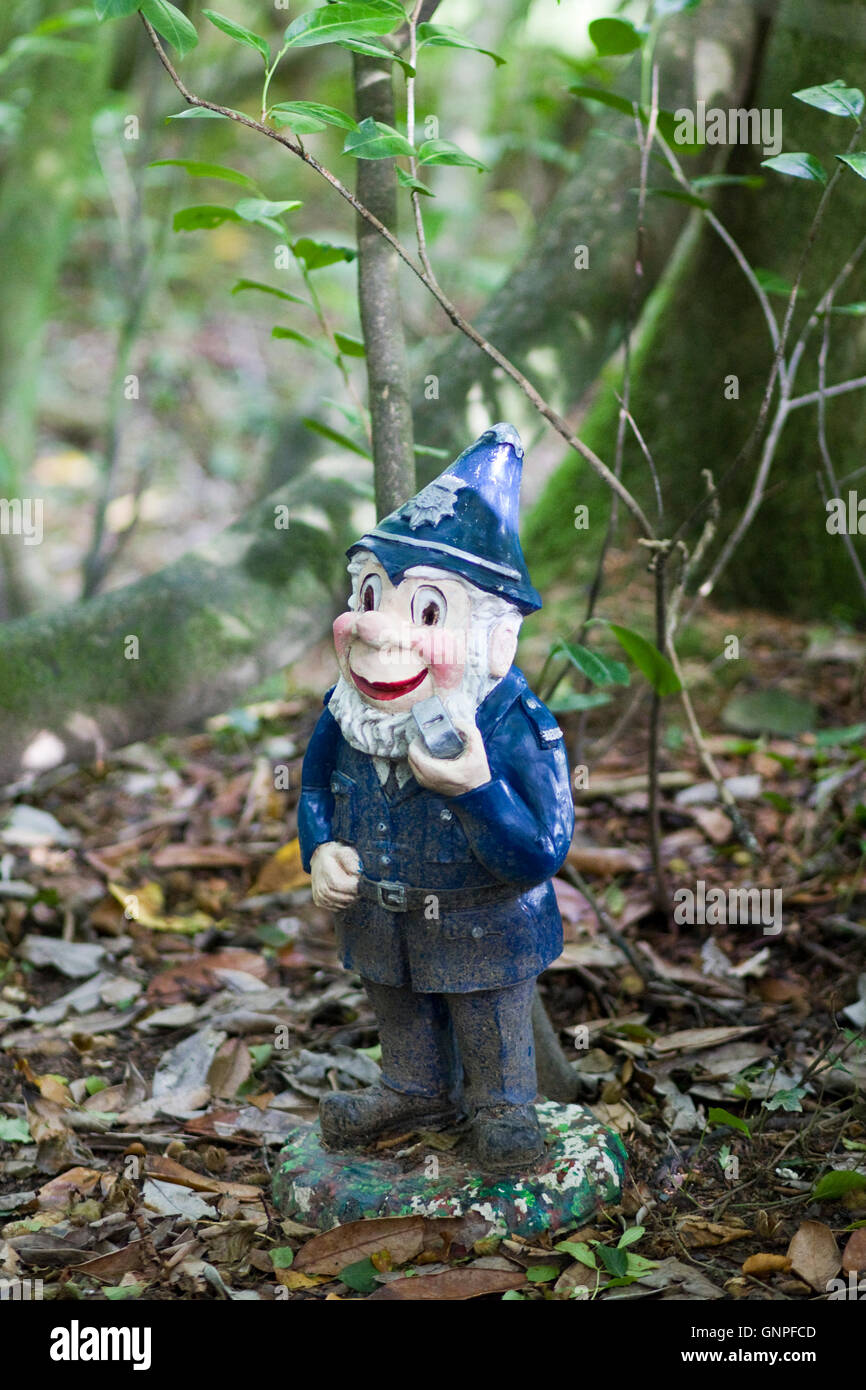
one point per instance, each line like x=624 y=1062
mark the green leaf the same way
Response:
x=678 y=195
x=832 y=738
x=837 y=1183
x=430 y=451
x=239 y=33
x=309 y=116
x=203 y=217
x=665 y=7
x=577 y=700
x=601 y=670
x=606 y=98
x=170 y=24
x=444 y=152
x=335 y=436
x=261 y=1054
x=14 y=1131
x=542 y=1274
x=614 y=1260
x=668 y=126
x=304 y=340
x=647 y=658
x=443 y=36
x=199 y=170
x=798 y=165
x=405 y=180
x=115 y=9
x=856 y=310
x=856 y=162
x=773 y=283
x=834 y=97
x=283 y=1257
x=578 y=1250
x=360 y=1276
x=202 y=113
x=73 y=19
x=316 y=254
x=376 y=140
x=119 y=1293
x=341 y=21
x=611 y=36
x=267 y=289
x=512 y=1296
x=717 y=1116
x=636 y=1265
x=377 y=50
x=725 y=180
x=631 y=1236
x=94 y=1084
x=349 y=346
x=262 y=211
x=787 y=1100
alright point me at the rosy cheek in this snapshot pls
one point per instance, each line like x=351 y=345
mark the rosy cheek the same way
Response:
x=344 y=630
x=444 y=655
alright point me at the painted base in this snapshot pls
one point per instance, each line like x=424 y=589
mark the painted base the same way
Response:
x=582 y=1170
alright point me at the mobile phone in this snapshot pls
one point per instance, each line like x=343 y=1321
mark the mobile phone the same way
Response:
x=438 y=733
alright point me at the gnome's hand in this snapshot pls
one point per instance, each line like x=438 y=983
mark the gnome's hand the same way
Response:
x=452 y=776
x=335 y=869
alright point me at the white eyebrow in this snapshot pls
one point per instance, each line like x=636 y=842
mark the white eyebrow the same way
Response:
x=430 y=572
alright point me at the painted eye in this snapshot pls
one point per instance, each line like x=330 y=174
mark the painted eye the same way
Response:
x=371 y=593
x=428 y=606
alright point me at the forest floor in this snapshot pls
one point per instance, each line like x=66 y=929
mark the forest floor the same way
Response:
x=171 y=1005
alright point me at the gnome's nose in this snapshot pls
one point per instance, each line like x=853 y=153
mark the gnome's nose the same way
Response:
x=377 y=630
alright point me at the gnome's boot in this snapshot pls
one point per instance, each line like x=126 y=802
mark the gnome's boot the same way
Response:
x=507 y=1138
x=353 y=1119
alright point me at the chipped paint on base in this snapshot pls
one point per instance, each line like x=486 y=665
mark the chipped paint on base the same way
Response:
x=582 y=1170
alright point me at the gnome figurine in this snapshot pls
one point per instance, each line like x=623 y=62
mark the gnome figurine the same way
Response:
x=435 y=807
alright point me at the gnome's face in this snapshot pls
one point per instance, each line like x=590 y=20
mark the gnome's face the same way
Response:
x=404 y=642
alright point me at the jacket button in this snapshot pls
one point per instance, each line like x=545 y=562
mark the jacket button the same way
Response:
x=478 y=932
x=532 y=704
x=381 y=827
x=445 y=814
x=385 y=859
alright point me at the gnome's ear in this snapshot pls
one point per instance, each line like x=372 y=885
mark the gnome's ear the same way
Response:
x=503 y=645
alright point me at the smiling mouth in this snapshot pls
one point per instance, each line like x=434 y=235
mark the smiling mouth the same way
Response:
x=384 y=690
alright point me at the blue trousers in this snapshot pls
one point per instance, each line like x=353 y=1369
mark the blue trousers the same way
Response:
x=476 y=1046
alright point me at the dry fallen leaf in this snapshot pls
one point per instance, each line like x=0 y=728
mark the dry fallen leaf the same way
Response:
x=696 y=1233
x=854 y=1255
x=330 y=1252
x=693 y=1039
x=452 y=1285
x=606 y=860
x=72 y=1185
x=167 y=1170
x=282 y=873
x=814 y=1255
x=183 y=856
x=766 y=1264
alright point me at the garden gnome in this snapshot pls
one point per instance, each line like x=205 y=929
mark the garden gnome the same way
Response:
x=435 y=807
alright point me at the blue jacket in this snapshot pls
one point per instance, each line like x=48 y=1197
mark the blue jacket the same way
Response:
x=515 y=831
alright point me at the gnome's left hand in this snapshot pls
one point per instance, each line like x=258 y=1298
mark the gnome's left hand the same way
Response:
x=452 y=776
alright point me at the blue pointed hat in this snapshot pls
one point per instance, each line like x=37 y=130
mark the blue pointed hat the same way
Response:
x=464 y=521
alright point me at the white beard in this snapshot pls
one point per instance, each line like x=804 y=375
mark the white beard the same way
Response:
x=386 y=735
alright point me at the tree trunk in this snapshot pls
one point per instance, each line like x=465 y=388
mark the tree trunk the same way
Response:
x=169 y=650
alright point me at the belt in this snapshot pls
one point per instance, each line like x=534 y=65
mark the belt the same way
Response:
x=399 y=897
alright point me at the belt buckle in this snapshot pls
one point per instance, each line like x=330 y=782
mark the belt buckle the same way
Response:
x=391 y=895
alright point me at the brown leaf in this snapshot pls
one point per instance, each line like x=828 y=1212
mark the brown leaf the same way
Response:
x=766 y=1264
x=167 y=1170
x=605 y=860
x=329 y=1253
x=814 y=1254
x=696 y=1233
x=184 y=856
x=854 y=1255
x=132 y=1256
x=230 y=1068
x=693 y=1039
x=198 y=976
x=282 y=873
x=72 y=1185
x=452 y=1285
